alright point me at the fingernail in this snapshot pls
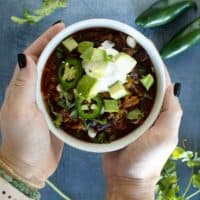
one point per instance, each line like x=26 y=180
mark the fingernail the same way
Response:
x=57 y=22
x=21 y=60
x=177 y=89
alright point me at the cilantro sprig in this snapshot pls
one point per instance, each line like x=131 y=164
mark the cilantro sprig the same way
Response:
x=47 y=8
x=168 y=187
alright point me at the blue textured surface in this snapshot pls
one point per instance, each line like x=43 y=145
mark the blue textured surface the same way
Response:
x=80 y=174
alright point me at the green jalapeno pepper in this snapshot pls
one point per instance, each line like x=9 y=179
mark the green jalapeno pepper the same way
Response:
x=69 y=73
x=163 y=12
x=89 y=108
x=183 y=40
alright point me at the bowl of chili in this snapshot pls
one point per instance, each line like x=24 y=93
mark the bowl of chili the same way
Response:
x=73 y=96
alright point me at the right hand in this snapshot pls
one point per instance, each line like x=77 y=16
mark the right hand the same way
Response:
x=138 y=166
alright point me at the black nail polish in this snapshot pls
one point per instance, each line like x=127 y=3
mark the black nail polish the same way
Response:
x=177 y=89
x=57 y=22
x=21 y=60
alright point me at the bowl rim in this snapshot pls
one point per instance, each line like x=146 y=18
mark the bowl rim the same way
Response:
x=159 y=70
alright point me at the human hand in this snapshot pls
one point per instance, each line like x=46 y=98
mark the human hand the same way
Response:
x=133 y=172
x=28 y=148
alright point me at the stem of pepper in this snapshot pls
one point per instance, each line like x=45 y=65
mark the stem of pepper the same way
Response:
x=188 y=186
x=193 y=195
x=58 y=191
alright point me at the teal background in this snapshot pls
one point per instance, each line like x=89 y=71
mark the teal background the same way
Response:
x=79 y=174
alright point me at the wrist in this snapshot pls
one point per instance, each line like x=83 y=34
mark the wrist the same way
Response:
x=120 y=188
x=21 y=173
x=7 y=191
x=16 y=189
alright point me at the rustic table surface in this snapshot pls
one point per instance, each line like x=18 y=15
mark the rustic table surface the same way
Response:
x=80 y=174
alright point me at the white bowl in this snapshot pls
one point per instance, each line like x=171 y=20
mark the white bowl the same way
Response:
x=160 y=74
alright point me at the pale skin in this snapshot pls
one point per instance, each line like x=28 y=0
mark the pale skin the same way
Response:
x=28 y=147
x=34 y=153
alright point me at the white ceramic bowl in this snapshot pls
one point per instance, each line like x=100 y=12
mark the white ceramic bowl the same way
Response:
x=160 y=74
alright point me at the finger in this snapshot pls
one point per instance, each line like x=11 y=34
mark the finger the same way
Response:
x=22 y=87
x=57 y=145
x=0 y=118
x=38 y=45
x=36 y=48
x=171 y=102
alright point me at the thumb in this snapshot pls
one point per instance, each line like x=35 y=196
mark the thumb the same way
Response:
x=23 y=83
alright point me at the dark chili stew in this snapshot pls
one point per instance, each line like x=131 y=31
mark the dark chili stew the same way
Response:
x=71 y=75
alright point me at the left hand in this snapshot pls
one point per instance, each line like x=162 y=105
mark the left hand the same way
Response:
x=27 y=147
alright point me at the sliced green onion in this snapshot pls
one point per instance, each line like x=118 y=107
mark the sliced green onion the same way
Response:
x=83 y=46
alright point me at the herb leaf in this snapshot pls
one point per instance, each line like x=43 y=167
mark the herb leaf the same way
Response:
x=65 y=101
x=196 y=180
x=168 y=187
x=47 y=7
x=58 y=121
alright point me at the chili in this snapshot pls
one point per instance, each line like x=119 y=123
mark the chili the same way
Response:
x=164 y=11
x=183 y=40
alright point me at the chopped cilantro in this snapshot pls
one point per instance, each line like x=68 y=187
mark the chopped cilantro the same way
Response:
x=47 y=8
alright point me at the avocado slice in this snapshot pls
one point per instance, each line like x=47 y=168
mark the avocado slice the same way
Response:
x=147 y=81
x=70 y=43
x=111 y=105
x=117 y=90
x=125 y=63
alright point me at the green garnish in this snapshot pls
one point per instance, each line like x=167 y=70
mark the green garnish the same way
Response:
x=58 y=117
x=142 y=70
x=89 y=109
x=147 y=81
x=101 y=138
x=74 y=114
x=47 y=7
x=69 y=73
x=102 y=122
x=117 y=90
x=87 y=54
x=59 y=53
x=135 y=114
x=98 y=55
x=86 y=86
x=70 y=44
x=83 y=46
x=64 y=101
x=168 y=187
x=111 y=106
x=94 y=55
x=91 y=54
x=58 y=121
